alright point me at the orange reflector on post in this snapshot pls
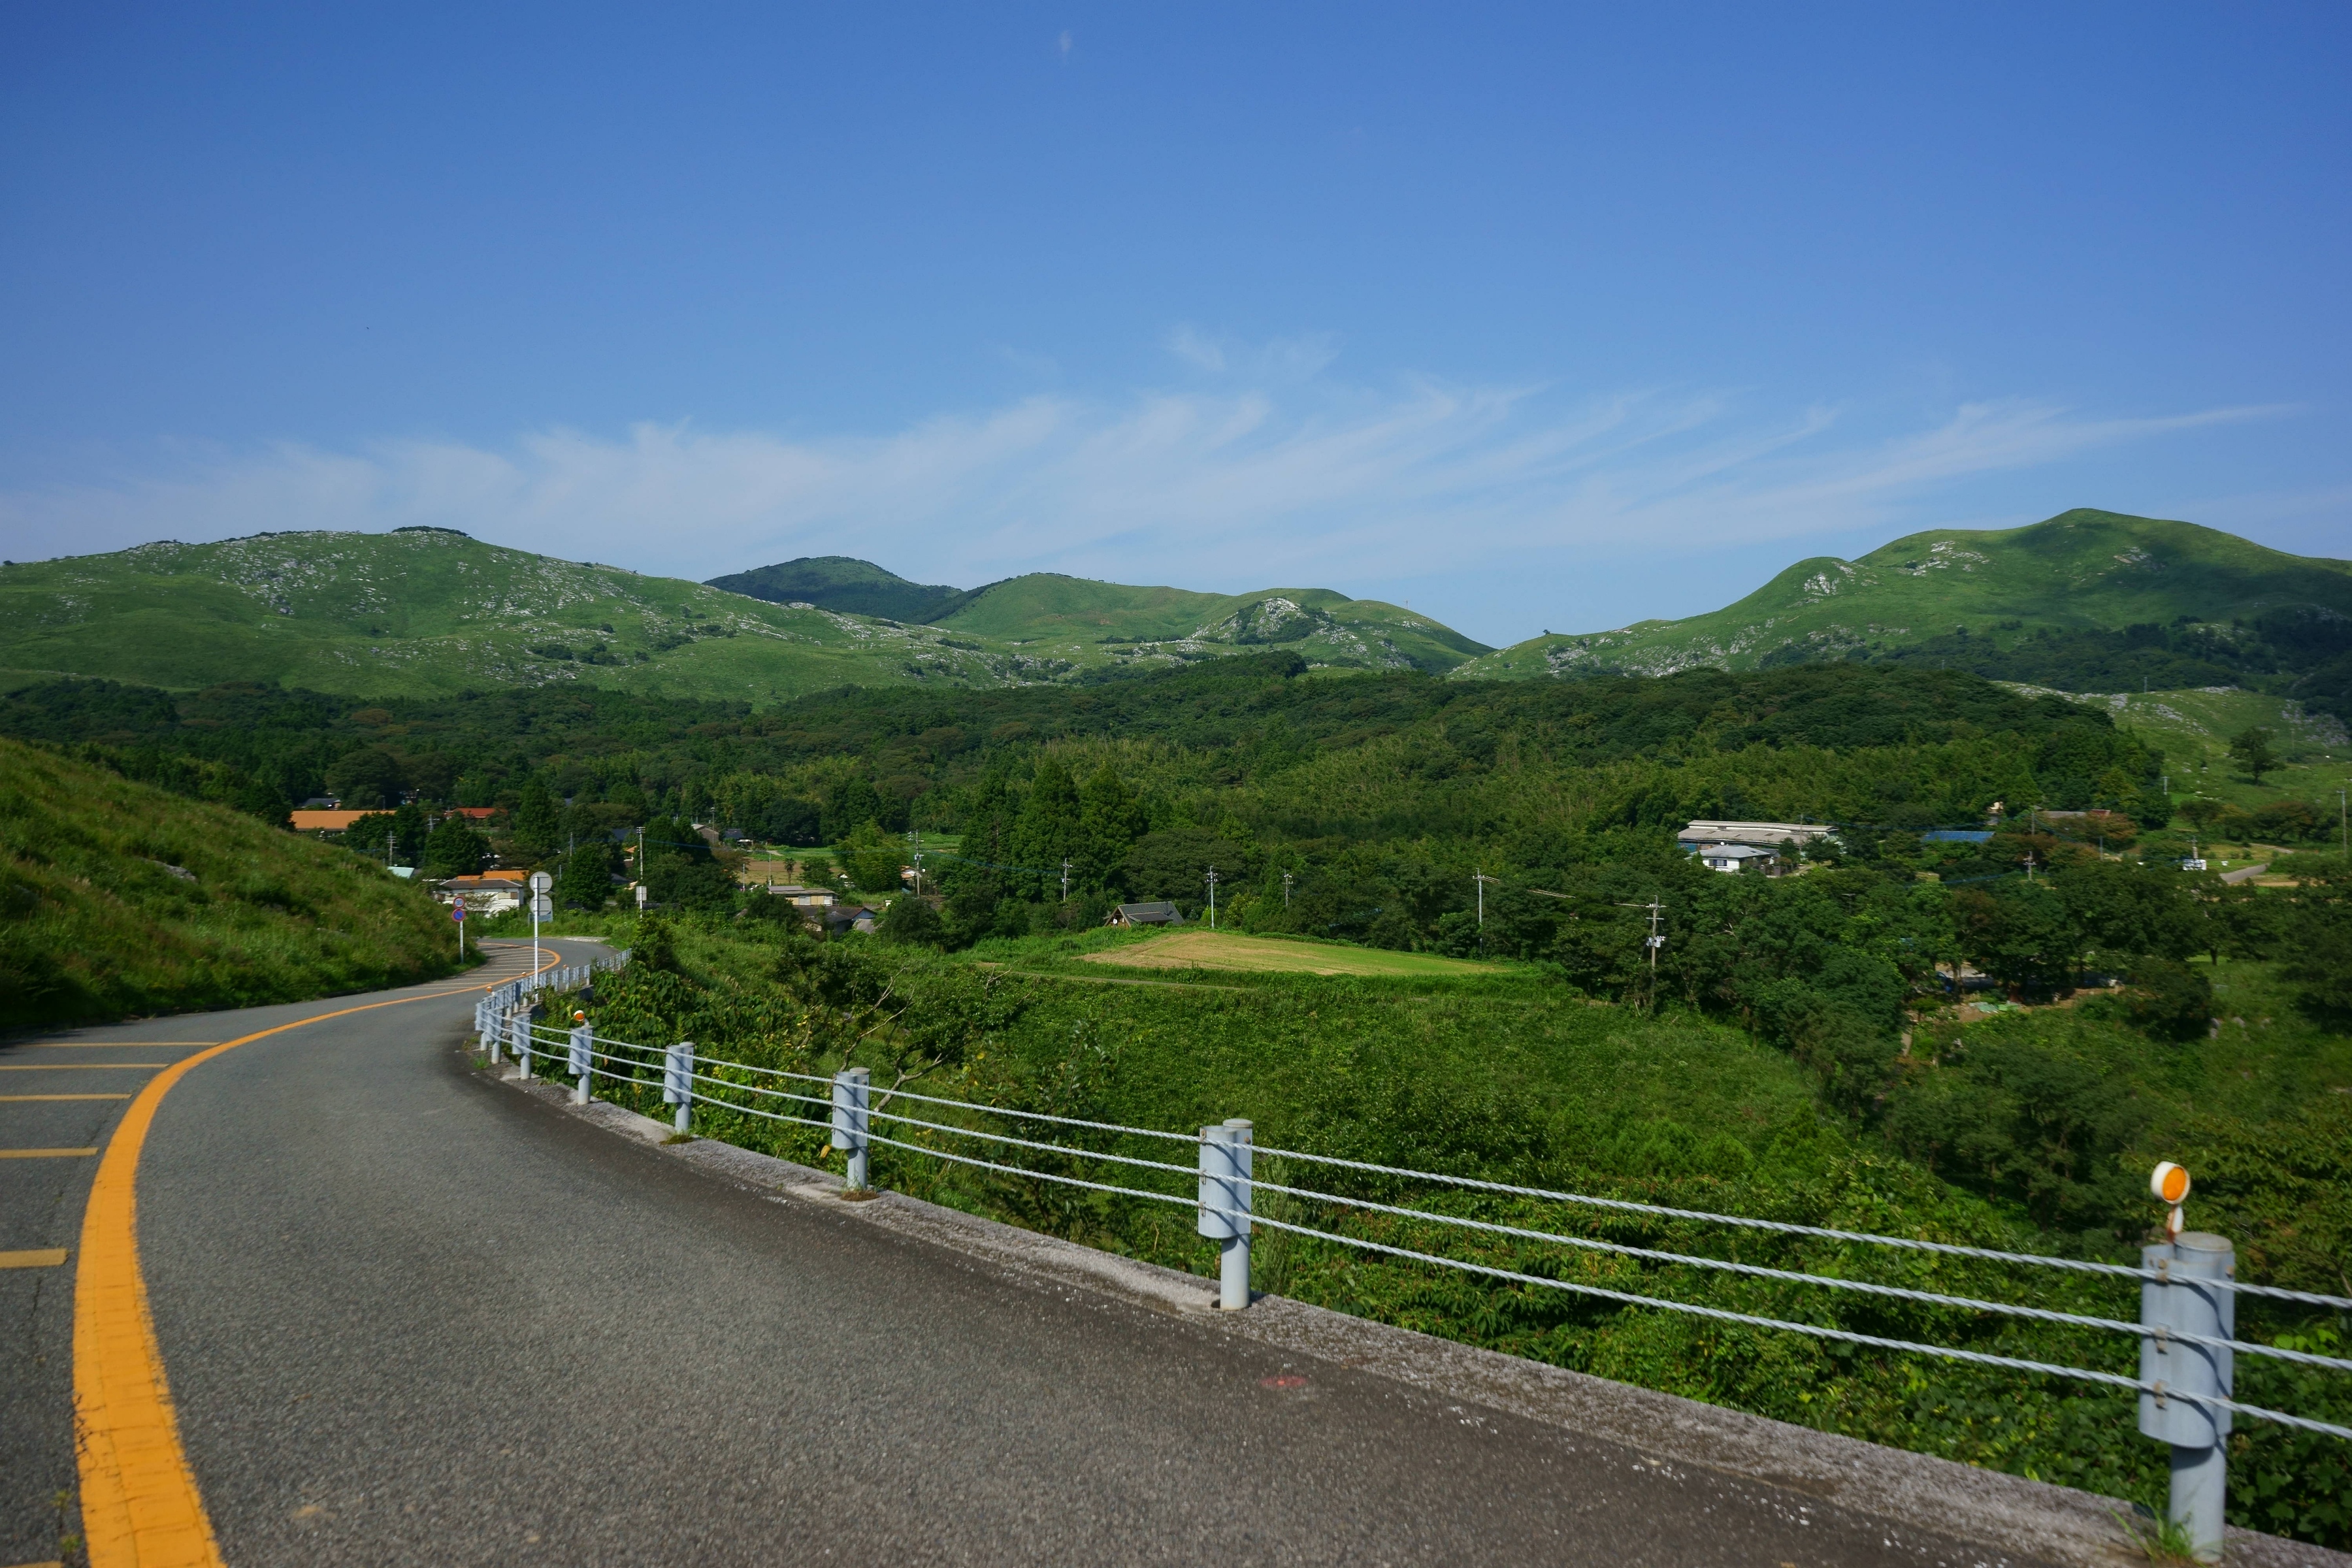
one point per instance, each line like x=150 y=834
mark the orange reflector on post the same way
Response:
x=2169 y=1183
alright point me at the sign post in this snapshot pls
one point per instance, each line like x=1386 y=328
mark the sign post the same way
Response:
x=542 y=908
x=457 y=913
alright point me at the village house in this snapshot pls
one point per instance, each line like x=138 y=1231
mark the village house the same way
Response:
x=1157 y=912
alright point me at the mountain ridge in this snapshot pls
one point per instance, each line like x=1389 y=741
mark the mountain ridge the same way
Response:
x=2082 y=572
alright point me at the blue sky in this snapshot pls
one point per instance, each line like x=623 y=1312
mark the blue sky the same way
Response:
x=1533 y=317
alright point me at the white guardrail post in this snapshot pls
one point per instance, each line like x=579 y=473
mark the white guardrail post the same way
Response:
x=1225 y=1184
x=852 y=1091
x=584 y=1064
x=678 y=1081
x=522 y=1040
x=2200 y=1434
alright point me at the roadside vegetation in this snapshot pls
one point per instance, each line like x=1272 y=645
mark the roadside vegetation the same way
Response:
x=2030 y=1129
x=120 y=898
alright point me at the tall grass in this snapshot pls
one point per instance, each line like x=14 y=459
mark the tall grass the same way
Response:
x=117 y=900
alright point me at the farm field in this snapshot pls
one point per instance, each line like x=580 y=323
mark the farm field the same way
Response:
x=1265 y=955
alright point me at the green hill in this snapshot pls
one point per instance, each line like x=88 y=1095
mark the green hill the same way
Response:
x=1090 y=623
x=424 y=611
x=428 y=611
x=843 y=583
x=117 y=898
x=2087 y=600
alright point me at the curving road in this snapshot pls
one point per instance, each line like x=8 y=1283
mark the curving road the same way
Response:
x=410 y=1316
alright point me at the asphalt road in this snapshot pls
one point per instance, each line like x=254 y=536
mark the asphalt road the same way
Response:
x=410 y=1316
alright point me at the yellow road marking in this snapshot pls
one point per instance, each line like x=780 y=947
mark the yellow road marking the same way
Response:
x=46 y=1153
x=139 y=1506
x=75 y=1066
x=40 y=1258
x=19 y=1099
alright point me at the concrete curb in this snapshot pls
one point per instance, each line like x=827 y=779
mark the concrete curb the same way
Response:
x=2008 y=1515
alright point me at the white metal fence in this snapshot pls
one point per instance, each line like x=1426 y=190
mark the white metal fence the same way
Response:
x=2188 y=1290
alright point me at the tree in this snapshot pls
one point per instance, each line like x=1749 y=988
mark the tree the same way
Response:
x=681 y=869
x=2168 y=1000
x=1110 y=820
x=536 y=828
x=366 y=778
x=2126 y=911
x=874 y=858
x=1046 y=832
x=1174 y=865
x=2018 y=932
x=585 y=879
x=849 y=806
x=2203 y=811
x=914 y=921
x=454 y=849
x=2252 y=748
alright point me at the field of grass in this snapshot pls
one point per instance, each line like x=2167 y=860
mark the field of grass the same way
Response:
x=117 y=898
x=1269 y=955
x=2081 y=568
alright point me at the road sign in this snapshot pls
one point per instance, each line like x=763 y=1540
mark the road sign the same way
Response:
x=541 y=881
x=542 y=907
x=457 y=911
x=641 y=895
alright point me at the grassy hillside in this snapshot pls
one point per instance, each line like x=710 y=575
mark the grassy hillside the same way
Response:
x=117 y=898
x=1089 y=625
x=424 y=611
x=2080 y=571
x=843 y=583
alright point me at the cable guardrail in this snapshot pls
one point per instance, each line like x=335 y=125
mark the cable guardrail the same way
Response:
x=2186 y=1332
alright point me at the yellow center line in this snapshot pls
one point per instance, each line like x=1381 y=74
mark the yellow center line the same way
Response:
x=43 y=1258
x=48 y=1153
x=20 y=1099
x=139 y=1505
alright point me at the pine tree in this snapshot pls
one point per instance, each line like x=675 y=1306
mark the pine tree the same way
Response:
x=535 y=825
x=1110 y=820
x=1047 y=831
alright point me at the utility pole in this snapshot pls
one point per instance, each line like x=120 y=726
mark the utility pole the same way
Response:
x=387 y=847
x=1066 y=882
x=2344 y=826
x=1481 y=879
x=1212 y=897
x=1285 y=881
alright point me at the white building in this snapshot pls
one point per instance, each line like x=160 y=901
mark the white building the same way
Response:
x=1767 y=834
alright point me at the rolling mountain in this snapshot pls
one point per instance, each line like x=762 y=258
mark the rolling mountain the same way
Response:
x=425 y=611
x=2085 y=601
x=843 y=583
x=1085 y=623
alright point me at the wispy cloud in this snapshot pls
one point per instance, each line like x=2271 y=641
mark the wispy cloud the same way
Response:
x=1266 y=471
